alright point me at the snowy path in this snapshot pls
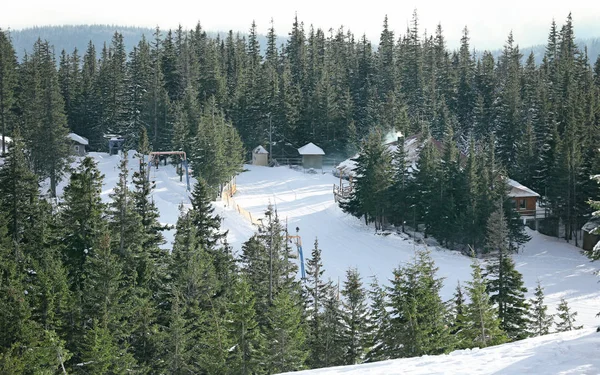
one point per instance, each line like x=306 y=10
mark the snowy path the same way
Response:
x=306 y=201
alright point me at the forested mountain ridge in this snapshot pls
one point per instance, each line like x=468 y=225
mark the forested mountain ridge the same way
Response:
x=68 y=37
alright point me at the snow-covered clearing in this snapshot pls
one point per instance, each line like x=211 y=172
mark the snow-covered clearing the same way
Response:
x=574 y=352
x=306 y=201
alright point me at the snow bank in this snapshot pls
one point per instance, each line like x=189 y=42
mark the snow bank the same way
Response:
x=573 y=352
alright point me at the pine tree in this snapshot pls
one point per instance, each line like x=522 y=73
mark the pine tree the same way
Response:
x=458 y=314
x=378 y=324
x=566 y=318
x=400 y=186
x=125 y=224
x=333 y=326
x=249 y=346
x=504 y=282
x=44 y=121
x=541 y=321
x=418 y=315
x=8 y=84
x=373 y=177
x=316 y=289
x=203 y=218
x=104 y=303
x=81 y=216
x=482 y=326
x=287 y=334
x=354 y=314
x=18 y=193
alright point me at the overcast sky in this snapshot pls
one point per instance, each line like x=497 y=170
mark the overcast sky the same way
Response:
x=489 y=22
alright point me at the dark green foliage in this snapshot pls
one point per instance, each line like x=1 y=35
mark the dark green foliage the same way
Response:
x=249 y=345
x=482 y=326
x=81 y=217
x=566 y=318
x=373 y=177
x=504 y=282
x=378 y=324
x=8 y=83
x=317 y=290
x=286 y=333
x=458 y=318
x=354 y=315
x=44 y=122
x=18 y=193
x=417 y=313
x=540 y=320
x=104 y=297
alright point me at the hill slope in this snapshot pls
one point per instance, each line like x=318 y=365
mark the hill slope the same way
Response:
x=570 y=353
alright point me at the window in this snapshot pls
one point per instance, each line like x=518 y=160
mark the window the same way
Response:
x=523 y=204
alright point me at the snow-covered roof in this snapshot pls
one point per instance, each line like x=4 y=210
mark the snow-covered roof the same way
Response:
x=79 y=139
x=592 y=224
x=519 y=191
x=311 y=149
x=260 y=150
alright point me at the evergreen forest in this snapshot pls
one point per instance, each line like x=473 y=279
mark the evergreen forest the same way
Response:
x=88 y=287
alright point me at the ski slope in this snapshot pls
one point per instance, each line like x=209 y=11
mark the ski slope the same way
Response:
x=574 y=352
x=306 y=201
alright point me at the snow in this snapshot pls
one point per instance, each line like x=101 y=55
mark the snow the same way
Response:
x=574 y=352
x=519 y=191
x=306 y=201
x=311 y=149
x=79 y=139
x=260 y=150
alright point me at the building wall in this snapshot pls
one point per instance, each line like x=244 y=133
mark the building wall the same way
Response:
x=78 y=150
x=589 y=241
x=260 y=159
x=312 y=161
x=525 y=205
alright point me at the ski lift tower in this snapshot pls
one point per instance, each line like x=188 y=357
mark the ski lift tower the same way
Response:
x=298 y=241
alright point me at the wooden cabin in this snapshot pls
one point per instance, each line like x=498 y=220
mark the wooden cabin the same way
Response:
x=524 y=199
x=78 y=144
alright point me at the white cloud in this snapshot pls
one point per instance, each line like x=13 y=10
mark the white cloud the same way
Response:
x=489 y=23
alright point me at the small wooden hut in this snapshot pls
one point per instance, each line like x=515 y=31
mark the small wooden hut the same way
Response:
x=312 y=156
x=260 y=156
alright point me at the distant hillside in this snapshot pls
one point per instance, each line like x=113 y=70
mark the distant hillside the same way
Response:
x=592 y=44
x=69 y=37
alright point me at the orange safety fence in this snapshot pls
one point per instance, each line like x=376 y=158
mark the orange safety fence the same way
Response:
x=226 y=196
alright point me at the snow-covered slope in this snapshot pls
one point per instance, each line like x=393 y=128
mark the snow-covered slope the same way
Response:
x=306 y=201
x=575 y=352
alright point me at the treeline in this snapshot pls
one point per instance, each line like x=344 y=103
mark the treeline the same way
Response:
x=333 y=89
x=85 y=288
